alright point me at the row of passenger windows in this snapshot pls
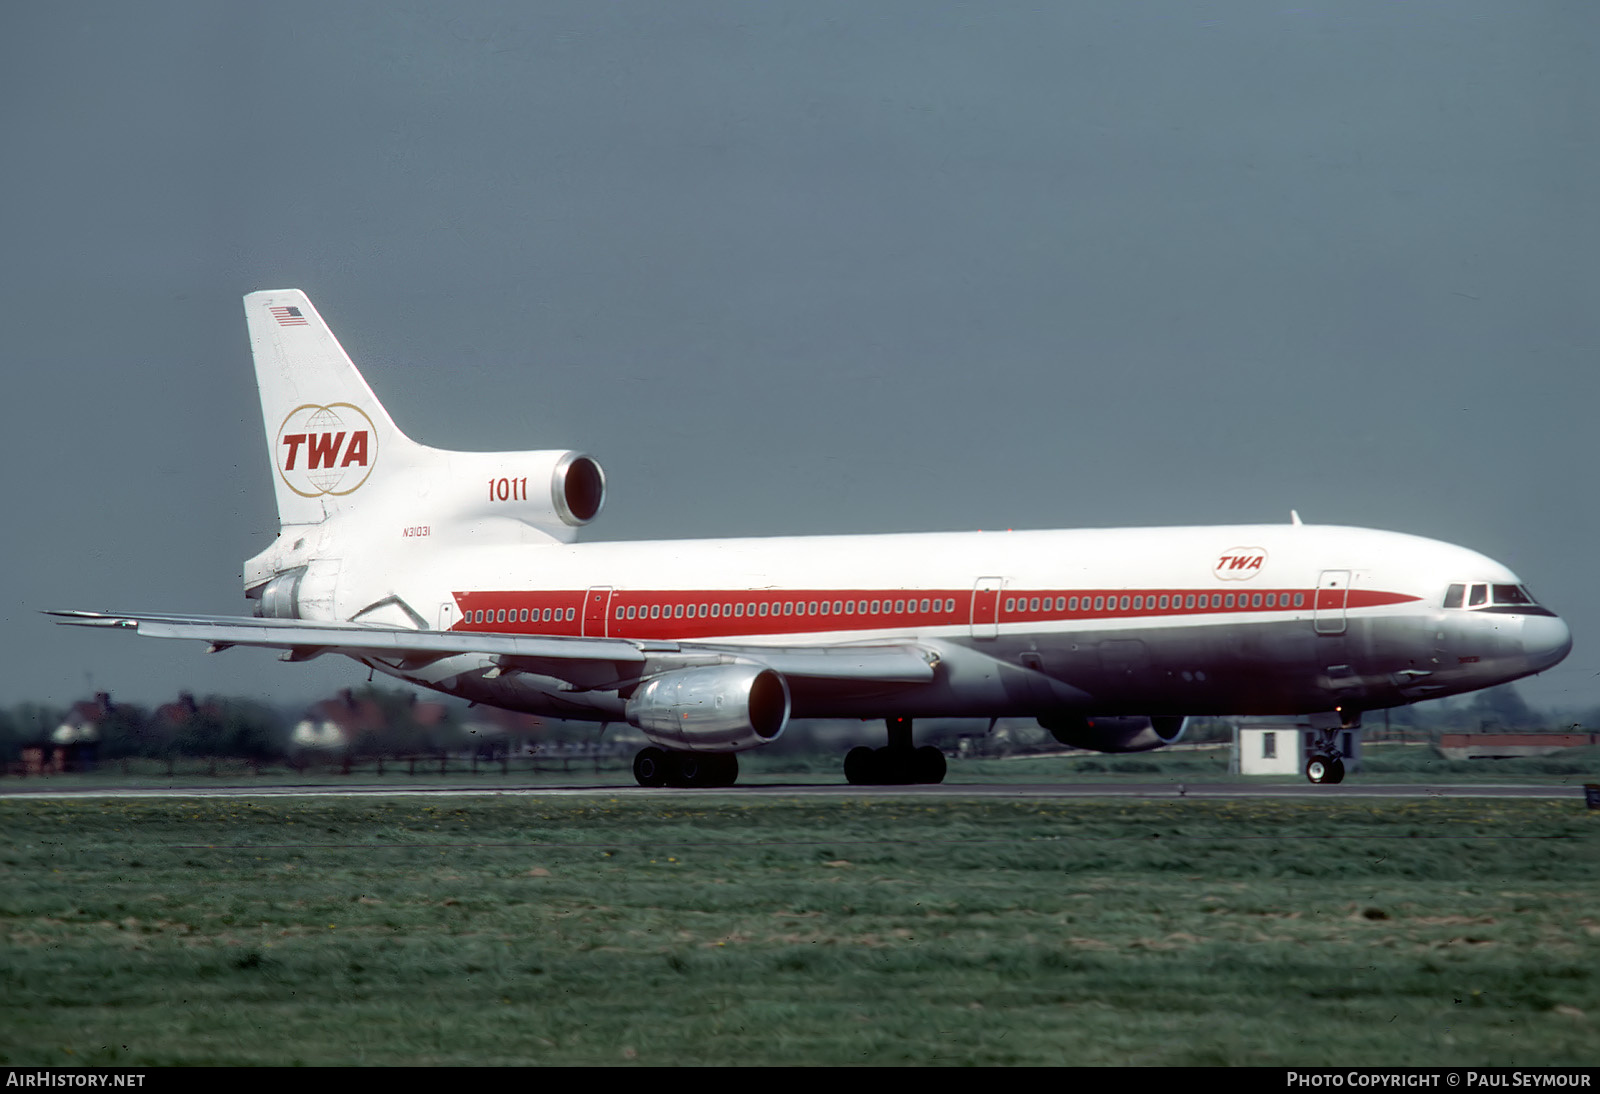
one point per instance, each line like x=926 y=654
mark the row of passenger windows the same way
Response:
x=787 y=607
x=1164 y=602
x=1152 y=602
x=499 y=616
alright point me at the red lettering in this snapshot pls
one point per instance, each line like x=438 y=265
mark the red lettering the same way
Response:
x=1239 y=562
x=357 y=452
x=324 y=448
x=294 y=441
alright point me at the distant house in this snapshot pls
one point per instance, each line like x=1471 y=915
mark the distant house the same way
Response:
x=340 y=722
x=1503 y=746
x=172 y=717
x=336 y=723
x=74 y=745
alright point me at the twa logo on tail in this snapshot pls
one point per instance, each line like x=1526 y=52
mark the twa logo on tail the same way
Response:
x=1239 y=563
x=326 y=449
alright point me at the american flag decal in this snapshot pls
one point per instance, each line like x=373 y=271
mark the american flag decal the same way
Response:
x=288 y=317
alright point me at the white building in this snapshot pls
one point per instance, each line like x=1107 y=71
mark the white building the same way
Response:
x=1262 y=746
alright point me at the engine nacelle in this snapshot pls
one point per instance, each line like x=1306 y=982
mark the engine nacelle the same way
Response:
x=1124 y=734
x=720 y=708
x=473 y=493
x=305 y=592
x=545 y=489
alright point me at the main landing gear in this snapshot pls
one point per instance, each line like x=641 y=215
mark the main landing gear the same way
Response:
x=897 y=765
x=668 y=767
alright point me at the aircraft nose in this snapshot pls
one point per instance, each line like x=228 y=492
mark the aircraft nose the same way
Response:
x=1546 y=639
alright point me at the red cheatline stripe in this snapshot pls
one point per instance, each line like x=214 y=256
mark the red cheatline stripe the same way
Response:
x=690 y=614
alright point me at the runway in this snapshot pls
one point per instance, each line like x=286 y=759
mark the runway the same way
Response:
x=947 y=791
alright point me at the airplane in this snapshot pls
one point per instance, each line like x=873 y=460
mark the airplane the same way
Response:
x=460 y=572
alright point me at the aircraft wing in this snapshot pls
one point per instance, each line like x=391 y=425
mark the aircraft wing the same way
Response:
x=885 y=663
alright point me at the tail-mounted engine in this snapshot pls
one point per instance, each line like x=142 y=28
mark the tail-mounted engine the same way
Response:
x=554 y=491
x=1123 y=734
x=721 y=708
x=304 y=592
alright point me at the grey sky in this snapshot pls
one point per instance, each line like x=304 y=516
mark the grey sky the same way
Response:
x=789 y=268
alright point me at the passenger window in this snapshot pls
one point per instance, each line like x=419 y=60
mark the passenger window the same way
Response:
x=1480 y=595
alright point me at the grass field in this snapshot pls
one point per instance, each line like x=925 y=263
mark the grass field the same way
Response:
x=714 y=930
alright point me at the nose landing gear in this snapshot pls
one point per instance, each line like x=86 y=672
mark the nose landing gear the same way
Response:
x=1325 y=769
x=1326 y=765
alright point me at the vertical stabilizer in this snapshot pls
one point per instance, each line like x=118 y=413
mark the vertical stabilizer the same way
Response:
x=328 y=437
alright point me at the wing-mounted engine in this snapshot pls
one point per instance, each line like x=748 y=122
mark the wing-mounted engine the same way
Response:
x=719 y=708
x=1123 y=734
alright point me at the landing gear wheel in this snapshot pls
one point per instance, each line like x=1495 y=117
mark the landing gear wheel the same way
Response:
x=927 y=765
x=688 y=769
x=722 y=769
x=651 y=767
x=861 y=767
x=894 y=766
x=1322 y=769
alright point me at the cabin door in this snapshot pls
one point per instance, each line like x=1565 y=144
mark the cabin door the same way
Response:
x=1333 y=591
x=986 y=607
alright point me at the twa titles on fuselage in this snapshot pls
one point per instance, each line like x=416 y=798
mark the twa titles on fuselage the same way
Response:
x=460 y=572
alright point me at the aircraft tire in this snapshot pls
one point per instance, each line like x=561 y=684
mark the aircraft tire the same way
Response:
x=688 y=769
x=861 y=767
x=722 y=769
x=1335 y=770
x=896 y=766
x=928 y=765
x=651 y=766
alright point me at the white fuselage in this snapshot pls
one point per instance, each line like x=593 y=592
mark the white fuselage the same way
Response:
x=1253 y=619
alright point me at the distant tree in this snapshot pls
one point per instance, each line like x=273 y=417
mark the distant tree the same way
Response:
x=239 y=728
x=1501 y=708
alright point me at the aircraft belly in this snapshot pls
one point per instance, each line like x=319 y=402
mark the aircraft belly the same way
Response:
x=1257 y=667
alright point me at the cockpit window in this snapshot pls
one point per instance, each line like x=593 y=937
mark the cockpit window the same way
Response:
x=1511 y=594
x=1512 y=599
